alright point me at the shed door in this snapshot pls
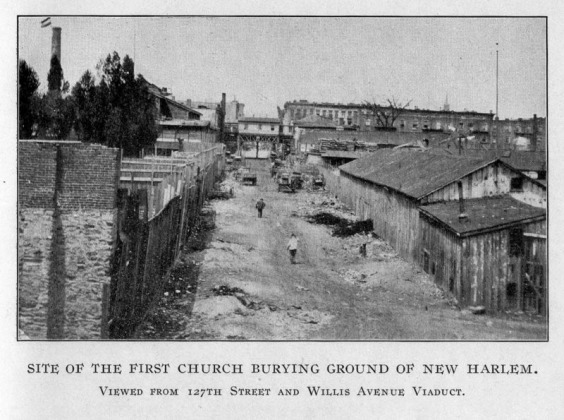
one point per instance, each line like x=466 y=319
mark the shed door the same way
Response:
x=533 y=274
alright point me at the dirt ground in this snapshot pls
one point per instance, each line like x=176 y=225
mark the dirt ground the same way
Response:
x=237 y=282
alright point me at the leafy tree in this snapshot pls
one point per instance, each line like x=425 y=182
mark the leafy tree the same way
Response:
x=386 y=115
x=55 y=75
x=89 y=111
x=28 y=83
x=118 y=112
x=55 y=113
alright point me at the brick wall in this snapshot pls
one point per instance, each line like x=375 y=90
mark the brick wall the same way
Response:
x=36 y=174
x=89 y=175
x=64 y=248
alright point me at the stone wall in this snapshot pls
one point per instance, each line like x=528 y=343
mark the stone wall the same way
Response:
x=67 y=302
x=67 y=219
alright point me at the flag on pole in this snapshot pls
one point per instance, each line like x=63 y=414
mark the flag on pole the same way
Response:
x=46 y=22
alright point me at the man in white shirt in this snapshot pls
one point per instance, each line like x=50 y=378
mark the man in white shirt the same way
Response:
x=293 y=248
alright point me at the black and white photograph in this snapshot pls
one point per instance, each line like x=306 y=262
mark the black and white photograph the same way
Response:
x=273 y=178
x=286 y=210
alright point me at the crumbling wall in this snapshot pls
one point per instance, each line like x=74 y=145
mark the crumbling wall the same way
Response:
x=67 y=210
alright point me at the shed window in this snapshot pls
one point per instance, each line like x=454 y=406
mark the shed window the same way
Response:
x=517 y=184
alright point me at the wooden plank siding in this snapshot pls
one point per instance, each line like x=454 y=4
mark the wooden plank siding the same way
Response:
x=494 y=179
x=474 y=269
x=395 y=217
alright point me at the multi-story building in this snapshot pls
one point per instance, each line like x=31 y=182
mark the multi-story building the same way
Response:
x=361 y=118
x=258 y=136
x=519 y=133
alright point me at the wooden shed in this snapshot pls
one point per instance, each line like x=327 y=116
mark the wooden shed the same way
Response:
x=388 y=186
x=490 y=253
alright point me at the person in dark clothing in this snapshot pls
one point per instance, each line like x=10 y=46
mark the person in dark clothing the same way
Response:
x=260 y=206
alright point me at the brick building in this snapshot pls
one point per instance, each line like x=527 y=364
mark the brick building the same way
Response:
x=411 y=120
x=512 y=132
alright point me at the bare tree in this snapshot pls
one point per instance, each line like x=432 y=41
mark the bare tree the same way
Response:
x=386 y=115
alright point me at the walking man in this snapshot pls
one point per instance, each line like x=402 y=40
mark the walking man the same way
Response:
x=260 y=206
x=293 y=248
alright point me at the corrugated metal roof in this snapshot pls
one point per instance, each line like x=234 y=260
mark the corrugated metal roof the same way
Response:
x=412 y=172
x=484 y=214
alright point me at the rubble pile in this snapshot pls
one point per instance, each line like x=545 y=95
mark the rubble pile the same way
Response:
x=346 y=145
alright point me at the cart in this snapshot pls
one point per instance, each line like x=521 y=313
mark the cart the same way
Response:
x=249 y=178
x=285 y=183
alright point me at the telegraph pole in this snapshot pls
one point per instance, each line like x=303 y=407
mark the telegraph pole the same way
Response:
x=497 y=95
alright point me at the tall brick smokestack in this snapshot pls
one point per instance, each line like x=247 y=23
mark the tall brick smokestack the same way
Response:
x=56 y=43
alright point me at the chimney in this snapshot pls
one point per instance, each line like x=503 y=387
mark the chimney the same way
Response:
x=222 y=115
x=56 y=43
x=462 y=215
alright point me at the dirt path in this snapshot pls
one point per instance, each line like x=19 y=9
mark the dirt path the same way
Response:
x=243 y=286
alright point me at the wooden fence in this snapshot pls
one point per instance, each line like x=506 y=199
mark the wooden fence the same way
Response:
x=153 y=224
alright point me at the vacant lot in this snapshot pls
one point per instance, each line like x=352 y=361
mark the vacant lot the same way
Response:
x=238 y=283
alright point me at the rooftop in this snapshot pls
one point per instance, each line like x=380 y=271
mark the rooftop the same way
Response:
x=303 y=102
x=414 y=173
x=342 y=154
x=379 y=137
x=268 y=120
x=484 y=214
x=184 y=123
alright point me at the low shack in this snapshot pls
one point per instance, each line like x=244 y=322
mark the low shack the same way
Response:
x=388 y=186
x=488 y=252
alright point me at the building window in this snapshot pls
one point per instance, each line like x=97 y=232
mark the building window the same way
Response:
x=260 y=126
x=402 y=123
x=438 y=125
x=246 y=126
x=324 y=113
x=415 y=125
x=271 y=128
x=516 y=184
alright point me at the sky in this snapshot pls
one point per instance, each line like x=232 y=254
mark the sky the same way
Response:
x=265 y=61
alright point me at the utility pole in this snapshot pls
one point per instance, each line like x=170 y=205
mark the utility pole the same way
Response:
x=497 y=95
